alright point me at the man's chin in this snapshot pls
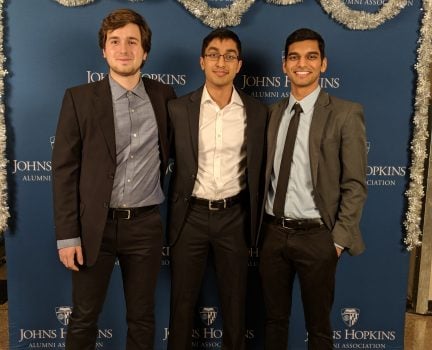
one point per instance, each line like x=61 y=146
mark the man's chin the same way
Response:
x=126 y=72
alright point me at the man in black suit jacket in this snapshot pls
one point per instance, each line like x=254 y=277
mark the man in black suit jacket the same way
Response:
x=109 y=160
x=214 y=196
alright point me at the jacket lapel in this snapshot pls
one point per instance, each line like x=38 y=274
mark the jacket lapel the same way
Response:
x=103 y=111
x=272 y=132
x=319 y=119
x=193 y=109
x=249 y=128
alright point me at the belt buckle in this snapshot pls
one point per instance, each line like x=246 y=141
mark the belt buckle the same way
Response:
x=128 y=211
x=283 y=222
x=210 y=206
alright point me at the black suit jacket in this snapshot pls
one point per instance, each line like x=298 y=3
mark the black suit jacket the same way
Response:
x=84 y=159
x=184 y=115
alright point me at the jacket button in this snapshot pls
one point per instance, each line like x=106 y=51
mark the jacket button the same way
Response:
x=111 y=176
x=185 y=199
x=106 y=205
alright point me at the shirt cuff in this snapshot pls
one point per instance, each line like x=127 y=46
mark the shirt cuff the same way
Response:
x=66 y=243
x=339 y=246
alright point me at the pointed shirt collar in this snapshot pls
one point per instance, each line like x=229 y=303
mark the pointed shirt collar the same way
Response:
x=235 y=97
x=307 y=103
x=119 y=91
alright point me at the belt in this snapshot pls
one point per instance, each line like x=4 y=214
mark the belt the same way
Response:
x=128 y=213
x=296 y=224
x=217 y=204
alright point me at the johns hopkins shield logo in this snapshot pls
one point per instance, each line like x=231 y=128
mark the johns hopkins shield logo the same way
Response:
x=63 y=314
x=350 y=316
x=208 y=315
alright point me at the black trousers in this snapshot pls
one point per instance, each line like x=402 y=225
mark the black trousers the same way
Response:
x=311 y=255
x=137 y=243
x=222 y=231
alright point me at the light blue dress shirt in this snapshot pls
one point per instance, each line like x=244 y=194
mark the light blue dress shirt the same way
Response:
x=299 y=202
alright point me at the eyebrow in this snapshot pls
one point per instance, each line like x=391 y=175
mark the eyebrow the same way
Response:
x=307 y=53
x=216 y=49
x=117 y=37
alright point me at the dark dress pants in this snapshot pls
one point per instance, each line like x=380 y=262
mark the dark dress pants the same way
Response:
x=137 y=243
x=222 y=231
x=311 y=255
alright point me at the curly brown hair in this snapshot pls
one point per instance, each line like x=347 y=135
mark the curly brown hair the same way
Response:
x=118 y=19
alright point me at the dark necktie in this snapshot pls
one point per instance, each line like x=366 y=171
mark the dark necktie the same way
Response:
x=285 y=166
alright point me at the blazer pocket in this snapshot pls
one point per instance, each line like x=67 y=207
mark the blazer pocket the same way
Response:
x=330 y=140
x=330 y=144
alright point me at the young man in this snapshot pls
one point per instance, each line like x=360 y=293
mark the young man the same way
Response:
x=109 y=159
x=214 y=202
x=316 y=188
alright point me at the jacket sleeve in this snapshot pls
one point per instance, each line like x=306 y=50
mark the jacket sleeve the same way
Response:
x=353 y=189
x=66 y=167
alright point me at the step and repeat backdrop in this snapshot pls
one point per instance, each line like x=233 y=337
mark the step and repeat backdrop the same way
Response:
x=50 y=46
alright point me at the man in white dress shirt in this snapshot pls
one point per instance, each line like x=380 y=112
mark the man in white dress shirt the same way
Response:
x=214 y=200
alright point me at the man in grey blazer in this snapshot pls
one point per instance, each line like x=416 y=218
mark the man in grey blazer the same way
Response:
x=314 y=196
x=109 y=160
x=218 y=137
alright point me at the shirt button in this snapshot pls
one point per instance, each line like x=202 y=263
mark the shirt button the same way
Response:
x=128 y=180
x=131 y=157
x=134 y=135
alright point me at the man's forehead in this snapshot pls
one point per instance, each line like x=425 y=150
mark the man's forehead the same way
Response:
x=216 y=43
x=309 y=45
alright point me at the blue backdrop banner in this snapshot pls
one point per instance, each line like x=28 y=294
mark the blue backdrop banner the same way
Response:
x=50 y=47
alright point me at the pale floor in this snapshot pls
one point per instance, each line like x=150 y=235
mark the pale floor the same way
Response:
x=418 y=329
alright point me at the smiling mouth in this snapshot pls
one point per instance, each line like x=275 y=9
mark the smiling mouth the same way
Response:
x=220 y=73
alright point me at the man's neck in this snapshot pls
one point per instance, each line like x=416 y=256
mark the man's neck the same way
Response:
x=127 y=82
x=221 y=95
x=300 y=93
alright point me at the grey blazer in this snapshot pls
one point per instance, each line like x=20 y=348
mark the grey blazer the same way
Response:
x=337 y=151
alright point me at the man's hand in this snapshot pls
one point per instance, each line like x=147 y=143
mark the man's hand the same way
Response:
x=68 y=255
x=338 y=251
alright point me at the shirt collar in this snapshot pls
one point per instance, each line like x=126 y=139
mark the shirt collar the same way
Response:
x=119 y=91
x=235 y=97
x=307 y=103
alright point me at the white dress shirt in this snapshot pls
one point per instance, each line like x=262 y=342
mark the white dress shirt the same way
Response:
x=221 y=148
